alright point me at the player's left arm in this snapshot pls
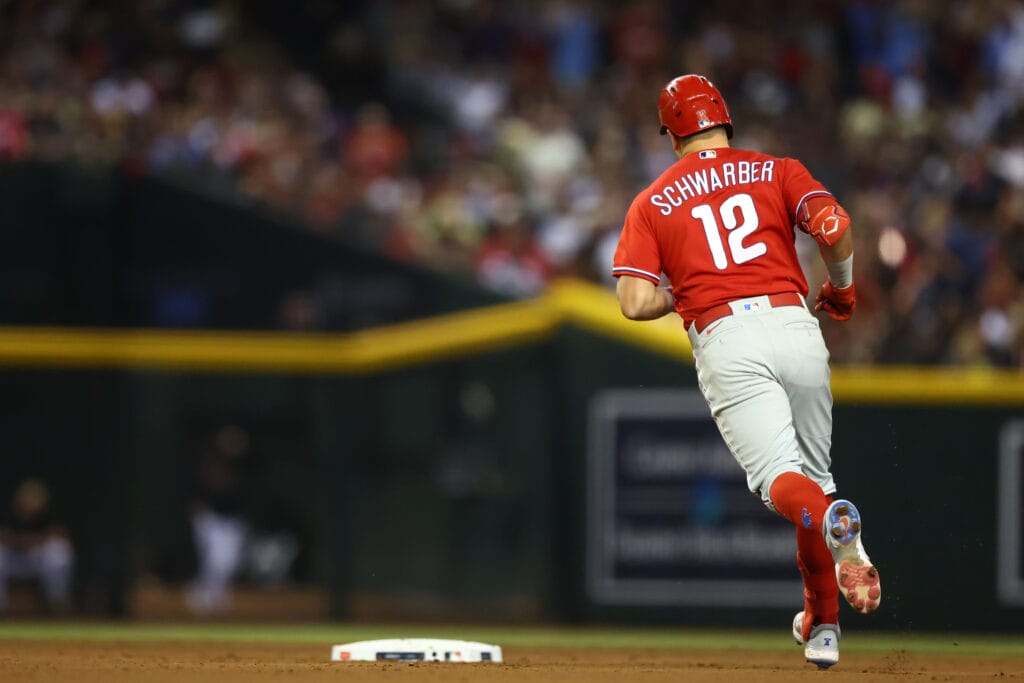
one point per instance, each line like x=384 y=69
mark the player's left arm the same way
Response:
x=637 y=265
x=641 y=299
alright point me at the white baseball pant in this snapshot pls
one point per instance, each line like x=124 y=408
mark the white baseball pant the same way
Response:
x=765 y=376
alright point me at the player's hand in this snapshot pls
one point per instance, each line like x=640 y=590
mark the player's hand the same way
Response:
x=838 y=303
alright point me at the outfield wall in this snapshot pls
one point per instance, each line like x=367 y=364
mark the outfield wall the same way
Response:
x=445 y=468
x=543 y=459
x=931 y=457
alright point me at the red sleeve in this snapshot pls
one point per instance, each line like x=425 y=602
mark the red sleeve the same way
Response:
x=637 y=253
x=798 y=185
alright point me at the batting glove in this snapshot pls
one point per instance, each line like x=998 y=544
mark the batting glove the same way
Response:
x=838 y=303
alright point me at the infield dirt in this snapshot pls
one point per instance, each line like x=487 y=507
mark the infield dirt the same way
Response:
x=162 y=662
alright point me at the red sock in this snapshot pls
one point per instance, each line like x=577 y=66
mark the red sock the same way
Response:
x=821 y=590
x=799 y=500
x=803 y=503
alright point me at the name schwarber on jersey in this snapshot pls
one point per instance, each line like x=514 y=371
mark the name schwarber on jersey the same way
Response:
x=711 y=179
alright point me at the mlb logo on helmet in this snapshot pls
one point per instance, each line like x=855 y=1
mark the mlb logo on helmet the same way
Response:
x=702 y=118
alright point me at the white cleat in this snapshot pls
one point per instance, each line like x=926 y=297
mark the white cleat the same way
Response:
x=822 y=647
x=798 y=627
x=858 y=579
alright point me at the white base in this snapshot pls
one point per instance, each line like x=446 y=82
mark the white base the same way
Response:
x=415 y=650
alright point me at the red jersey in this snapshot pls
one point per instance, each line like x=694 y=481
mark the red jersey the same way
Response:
x=720 y=223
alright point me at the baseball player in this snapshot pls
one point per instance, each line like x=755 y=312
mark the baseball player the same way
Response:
x=721 y=224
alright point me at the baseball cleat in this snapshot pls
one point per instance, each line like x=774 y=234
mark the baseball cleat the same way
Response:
x=798 y=627
x=858 y=579
x=822 y=647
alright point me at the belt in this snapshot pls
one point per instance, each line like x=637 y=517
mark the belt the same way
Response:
x=717 y=312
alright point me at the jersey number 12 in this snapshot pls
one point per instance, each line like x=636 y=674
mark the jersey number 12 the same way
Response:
x=738 y=231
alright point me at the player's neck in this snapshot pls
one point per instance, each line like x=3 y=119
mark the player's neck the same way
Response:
x=716 y=138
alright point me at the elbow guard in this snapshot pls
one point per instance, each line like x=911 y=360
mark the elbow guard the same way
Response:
x=824 y=220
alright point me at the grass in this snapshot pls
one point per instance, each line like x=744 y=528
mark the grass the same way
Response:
x=521 y=637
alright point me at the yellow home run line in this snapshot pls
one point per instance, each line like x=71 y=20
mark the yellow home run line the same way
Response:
x=383 y=348
x=456 y=335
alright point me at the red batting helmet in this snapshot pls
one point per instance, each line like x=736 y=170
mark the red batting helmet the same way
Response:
x=689 y=104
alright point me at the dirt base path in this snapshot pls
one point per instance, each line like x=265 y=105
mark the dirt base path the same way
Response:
x=96 y=662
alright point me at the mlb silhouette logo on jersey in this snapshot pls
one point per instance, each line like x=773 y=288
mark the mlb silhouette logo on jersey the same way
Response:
x=708 y=154
x=753 y=306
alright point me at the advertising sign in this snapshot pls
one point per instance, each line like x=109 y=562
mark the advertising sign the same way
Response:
x=1010 y=567
x=670 y=518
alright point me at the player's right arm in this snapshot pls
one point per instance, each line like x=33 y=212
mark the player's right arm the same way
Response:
x=837 y=296
x=819 y=215
x=838 y=252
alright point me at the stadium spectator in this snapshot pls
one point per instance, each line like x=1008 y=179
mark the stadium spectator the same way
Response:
x=910 y=111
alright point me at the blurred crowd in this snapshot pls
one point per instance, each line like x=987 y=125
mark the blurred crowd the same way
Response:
x=503 y=141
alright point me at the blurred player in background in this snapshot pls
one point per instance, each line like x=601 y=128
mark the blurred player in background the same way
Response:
x=34 y=547
x=220 y=523
x=720 y=224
